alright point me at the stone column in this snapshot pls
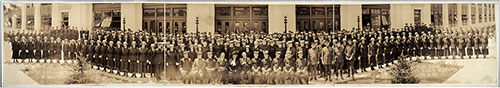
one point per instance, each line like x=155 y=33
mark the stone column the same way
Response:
x=132 y=12
x=446 y=21
x=276 y=15
x=426 y=14
x=14 y=22
x=459 y=15
x=349 y=15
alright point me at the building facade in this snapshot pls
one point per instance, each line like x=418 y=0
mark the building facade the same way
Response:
x=237 y=18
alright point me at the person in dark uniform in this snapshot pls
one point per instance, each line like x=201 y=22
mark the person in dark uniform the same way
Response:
x=109 y=57
x=469 y=44
x=133 y=53
x=350 y=51
x=326 y=60
x=117 y=53
x=301 y=73
x=461 y=45
x=185 y=68
x=484 y=44
x=222 y=68
x=339 y=59
x=477 y=44
x=453 y=45
x=372 y=52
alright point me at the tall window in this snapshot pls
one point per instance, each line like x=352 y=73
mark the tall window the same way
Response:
x=436 y=14
x=241 y=19
x=465 y=11
x=314 y=18
x=46 y=11
x=473 y=13
x=452 y=15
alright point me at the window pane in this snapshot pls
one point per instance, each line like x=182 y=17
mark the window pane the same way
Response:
x=260 y=11
x=330 y=11
x=160 y=12
x=303 y=11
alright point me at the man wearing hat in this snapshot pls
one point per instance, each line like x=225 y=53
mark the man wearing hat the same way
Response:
x=326 y=60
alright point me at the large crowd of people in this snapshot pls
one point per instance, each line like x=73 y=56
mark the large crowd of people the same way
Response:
x=257 y=58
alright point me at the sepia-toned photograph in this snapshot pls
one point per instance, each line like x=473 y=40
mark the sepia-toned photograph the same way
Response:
x=249 y=44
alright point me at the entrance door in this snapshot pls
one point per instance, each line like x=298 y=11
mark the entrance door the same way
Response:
x=223 y=26
x=179 y=26
x=149 y=25
x=303 y=25
x=241 y=26
x=159 y=27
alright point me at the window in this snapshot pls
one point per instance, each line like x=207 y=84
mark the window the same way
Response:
x=416 y=15
x=436 y=14
x=223 y=11
x=259 y=11
x=473 y=13
x=375 y=16
x=315 y=18
x=452 y=15
x=465 y=11
x=179 y=12
x=149 y=12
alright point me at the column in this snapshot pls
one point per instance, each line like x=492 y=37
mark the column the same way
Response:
x=446 y=21
x=349 y=15
x=80 y=16
x=56 y=15
x=38 y=16
x=14 y=22
x=206 y=17
x=132 y=12
x=23 y=16
x=426 y=14
x=459 y=15
x=401 y=14
x=276 y=15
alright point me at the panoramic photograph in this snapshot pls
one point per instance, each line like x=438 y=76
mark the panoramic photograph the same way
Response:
x=249 y=44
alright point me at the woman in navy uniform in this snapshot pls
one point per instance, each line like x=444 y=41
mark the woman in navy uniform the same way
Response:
x=125 y=59
x=132 y=66
x=141 y=63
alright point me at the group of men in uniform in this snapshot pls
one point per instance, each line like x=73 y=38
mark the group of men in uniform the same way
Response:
x=258 y=57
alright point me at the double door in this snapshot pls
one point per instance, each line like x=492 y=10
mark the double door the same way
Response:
x=241 y=26
x=155 y=26
x=176 y=26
